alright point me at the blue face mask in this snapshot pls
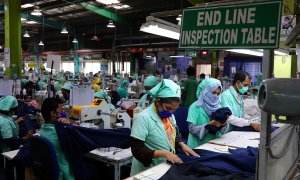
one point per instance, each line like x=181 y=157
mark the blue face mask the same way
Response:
x=65 y=96
x=164 y=114
x=242 y=90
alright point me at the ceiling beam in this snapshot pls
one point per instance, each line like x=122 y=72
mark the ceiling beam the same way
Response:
x=108 y=14
x=49 y=22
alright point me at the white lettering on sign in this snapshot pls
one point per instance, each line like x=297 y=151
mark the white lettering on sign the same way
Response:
x=200 y=18
x=272 y=34
x=240 y=16
x=258 y=35
x=209 y=18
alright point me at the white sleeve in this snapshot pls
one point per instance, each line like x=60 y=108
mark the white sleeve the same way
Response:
x=236 y=121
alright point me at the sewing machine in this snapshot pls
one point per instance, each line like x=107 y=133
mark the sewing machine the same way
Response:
x=99 y=114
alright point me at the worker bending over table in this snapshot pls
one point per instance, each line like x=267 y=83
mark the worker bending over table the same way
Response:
x=154 y=136
x=149 y=83
x=9 y=127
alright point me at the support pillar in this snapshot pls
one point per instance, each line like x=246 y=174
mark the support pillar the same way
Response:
x=12 y=13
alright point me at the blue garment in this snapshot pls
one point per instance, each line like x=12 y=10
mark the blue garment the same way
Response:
x=207 y=99
x=221 y=114
x=77 y=141
x=241 y=162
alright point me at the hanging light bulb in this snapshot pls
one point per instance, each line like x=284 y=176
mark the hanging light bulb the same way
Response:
x=74 y=40
x=110 y=24
x=26 y=34
x=179 y=17
x=41 y=43
x=36 y=11
x=64 y=30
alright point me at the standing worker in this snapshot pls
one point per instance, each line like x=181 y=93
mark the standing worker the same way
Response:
x=202 y=129
x=149 y=83
x=189 y=88
x=233 y=99
x=154 y=135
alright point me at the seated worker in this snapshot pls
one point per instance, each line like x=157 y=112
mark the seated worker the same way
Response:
x=102 y=95
x=149 y=83
x=65 y=93
x=232 y=98
x=202 y=129
x=154 y=136
x=42 y=82
x=59 y=84
x=96 y=84
x=51 y=110
x=9 y=128
x=122 y=90
x=189 y=88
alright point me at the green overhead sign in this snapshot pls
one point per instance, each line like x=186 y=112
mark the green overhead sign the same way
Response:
x=251 y=25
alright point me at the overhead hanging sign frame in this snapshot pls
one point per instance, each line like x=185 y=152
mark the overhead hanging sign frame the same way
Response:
x=240 y=26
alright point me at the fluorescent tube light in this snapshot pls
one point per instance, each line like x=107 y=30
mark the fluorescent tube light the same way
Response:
x=160 y=27
x=28 y=5
x=108 y=2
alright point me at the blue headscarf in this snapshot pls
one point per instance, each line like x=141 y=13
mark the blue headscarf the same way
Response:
x=207 y=99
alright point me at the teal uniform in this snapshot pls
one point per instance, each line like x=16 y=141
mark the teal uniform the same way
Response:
x=190 y=88
x=231 y=99
x=57 y=87
x=198 y=116
x=9 y=129
x=123 y=93
x=149 y=128
x=48 y=131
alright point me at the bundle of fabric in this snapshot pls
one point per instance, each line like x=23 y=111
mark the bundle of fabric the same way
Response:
x=76 y=141
x=240 y=164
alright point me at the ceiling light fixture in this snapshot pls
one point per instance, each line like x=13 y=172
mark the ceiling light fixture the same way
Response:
x=41 y=43
x=108 y=2
x=64 y=30
x=74 y=40
x=110 y=24
x=31 y=22
x=27 y=5
x=23 y=19
x=179 y=17
x=36 y=11
x=26 y=34
x=160 y=27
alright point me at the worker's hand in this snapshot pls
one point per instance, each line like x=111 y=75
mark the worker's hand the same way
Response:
x=173 y=158
x=20 y=119
x=64 y=120
x=28 y=136
x=187 y=150
x=255 y=126
x=215 y=123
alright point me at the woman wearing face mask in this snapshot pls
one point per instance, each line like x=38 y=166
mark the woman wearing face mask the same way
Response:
x=154 y=136
x=232 y=98
x=9 y=128
x=149 y=83
x=202 y=129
